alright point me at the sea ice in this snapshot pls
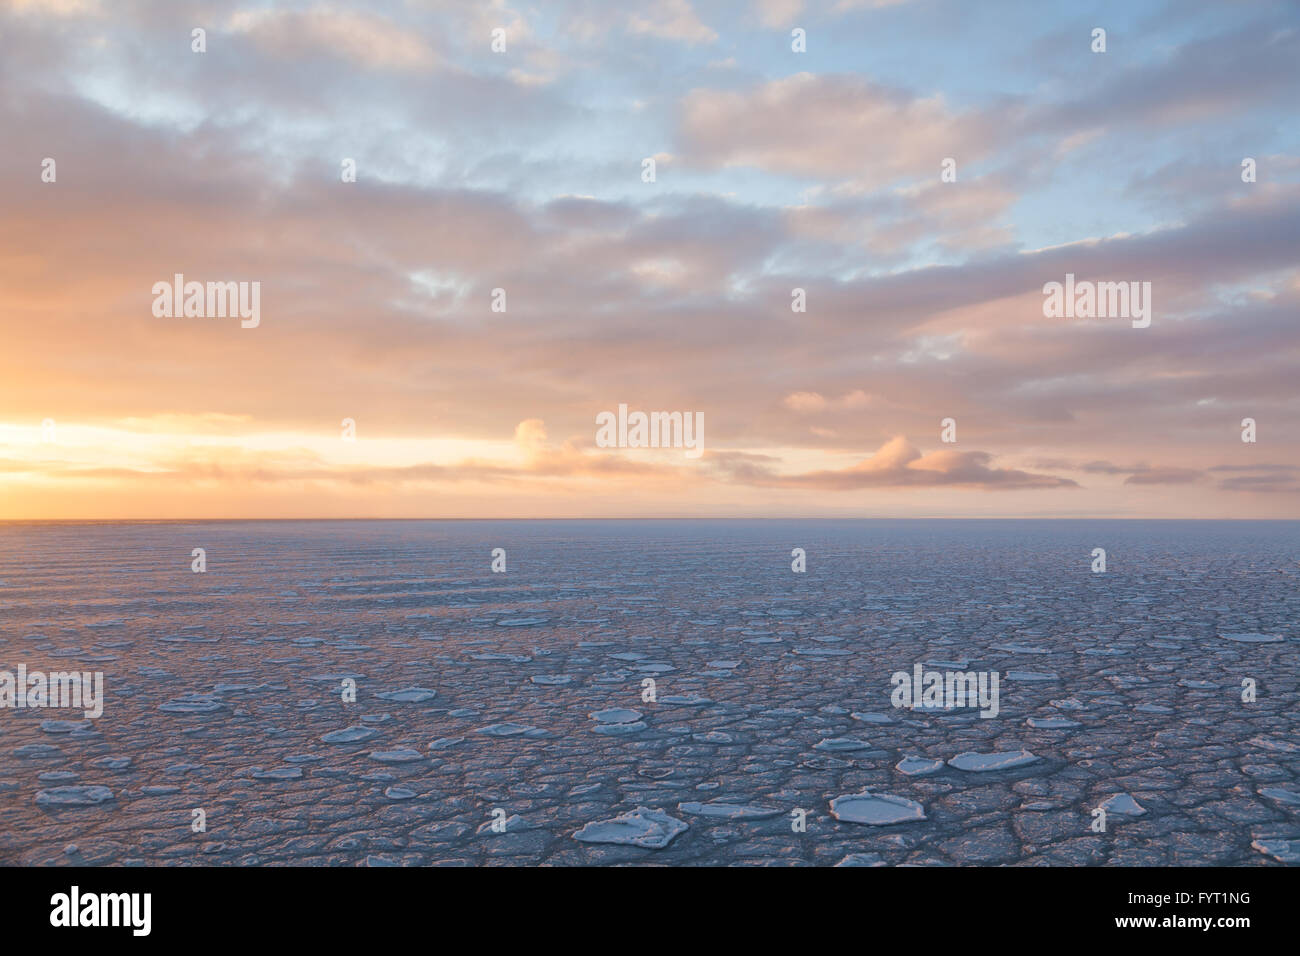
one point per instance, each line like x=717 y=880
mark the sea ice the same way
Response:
x=349 y=735
x=410 y=695
x=1288 y=797
x=1284 y=851
x=729 y=811
x=619 y=730
x=506 y=729
x=918 y=766
x=192 y=704
x=1052 y=723
x=280 y=773
x=1121 y=804
x=876 y=809
x=615 y=715
x=978 y=763
x=643 y=827
x=400 y=755
x=84 y=796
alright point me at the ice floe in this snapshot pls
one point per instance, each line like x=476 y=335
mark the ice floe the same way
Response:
x=1121 y=804
x=876 y=809
x=349 y=735
x=506 y=729
x=1284 y=851
x=1243 y=637
x=1052 y=723
x=1287 y=797
x=730 y=811
x=835 y=744
x=918 y=766
x=984 y=762
x=192 y=704
x=409 y=695
x=615 y=715
x=280 y=773
x=82 y=796
x=621 y=729
x=400 y=755
x=642 y=827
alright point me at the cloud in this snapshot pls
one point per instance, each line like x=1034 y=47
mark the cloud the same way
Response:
x=899 y=464
x=671 y=20
x=838 y=126
x=365 y=39
x=1163 y=476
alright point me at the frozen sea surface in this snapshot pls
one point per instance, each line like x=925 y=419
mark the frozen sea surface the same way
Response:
x=526 y=696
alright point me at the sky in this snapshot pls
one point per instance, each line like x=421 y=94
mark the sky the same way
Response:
x=921 y=170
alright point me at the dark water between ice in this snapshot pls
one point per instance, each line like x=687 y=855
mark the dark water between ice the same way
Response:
x=773 y=692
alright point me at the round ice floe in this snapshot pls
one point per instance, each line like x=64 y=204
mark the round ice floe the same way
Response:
x=868 y=718
x=552 y=679
x=409 y=695
x=349 y=735
x=1252 y=638
x=192 y=704
x=979 y=763
x=615 y=715
x=1052 y=723
x=918 y=766
x=506 y=729
x=835 y=744
x=685 y=700
x=401 y=755
x=876 y=809
x=651 y=829
x=84 y=796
